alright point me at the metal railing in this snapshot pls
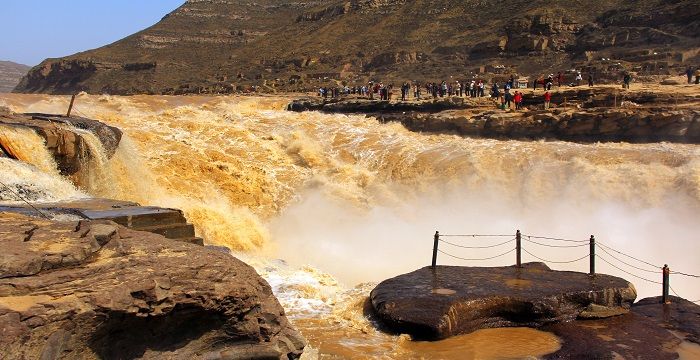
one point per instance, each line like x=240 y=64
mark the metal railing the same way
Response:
x=514 y=243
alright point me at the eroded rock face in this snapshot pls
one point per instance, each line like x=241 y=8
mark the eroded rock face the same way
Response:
x=67 y=146
x=450 y=300
x=94 y=289
x=600 y=124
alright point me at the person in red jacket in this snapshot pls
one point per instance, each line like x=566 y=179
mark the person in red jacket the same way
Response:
x=547 y=99
x=518 y=100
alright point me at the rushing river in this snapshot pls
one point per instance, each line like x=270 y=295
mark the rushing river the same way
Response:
x=325 y=205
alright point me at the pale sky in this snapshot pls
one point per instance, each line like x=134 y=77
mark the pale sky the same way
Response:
x=33 y=30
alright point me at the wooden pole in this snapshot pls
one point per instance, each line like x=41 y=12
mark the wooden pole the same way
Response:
x=592 y=255
x=435 y=248
x=517 y=249
x=70 y=107
x=665 y=283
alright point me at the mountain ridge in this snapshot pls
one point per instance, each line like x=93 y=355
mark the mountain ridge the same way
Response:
x=223 y=46
x=10 y=75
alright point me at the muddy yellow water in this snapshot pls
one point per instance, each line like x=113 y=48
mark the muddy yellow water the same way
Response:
x=336 y=342
x=319 y=203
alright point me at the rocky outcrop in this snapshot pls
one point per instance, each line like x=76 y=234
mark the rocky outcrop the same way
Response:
x=170 y=223
x=63 y=76
x=450 y=300
x=69 y=148
x=96 y=290
x=632 y=125
x=363 y=106
x=577 y=114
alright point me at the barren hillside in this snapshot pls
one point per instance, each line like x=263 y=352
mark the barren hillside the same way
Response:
x=220 y=46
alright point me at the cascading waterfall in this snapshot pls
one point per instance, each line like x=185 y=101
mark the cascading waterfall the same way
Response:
x=26 y=145
x=32 y=184
x=360 y=200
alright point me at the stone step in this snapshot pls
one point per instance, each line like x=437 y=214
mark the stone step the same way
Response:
x=139 y=216
x=172 y=231
x=170 y=223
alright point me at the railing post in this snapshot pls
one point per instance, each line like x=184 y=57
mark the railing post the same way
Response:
x=517 y=249
x=435 y=248
x=592 y=255
x=665 y=283
x=70 y=107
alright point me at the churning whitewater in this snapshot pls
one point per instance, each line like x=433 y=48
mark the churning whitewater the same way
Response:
x=321 y=203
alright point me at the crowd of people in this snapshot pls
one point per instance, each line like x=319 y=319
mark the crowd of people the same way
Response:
x=507 y=95
x=474 y=88
x=690 y=72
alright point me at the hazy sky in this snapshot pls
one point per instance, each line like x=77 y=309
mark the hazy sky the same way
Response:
x=33 y=30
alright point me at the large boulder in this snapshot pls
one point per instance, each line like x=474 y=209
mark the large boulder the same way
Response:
x=94 y=289
x=449 y=300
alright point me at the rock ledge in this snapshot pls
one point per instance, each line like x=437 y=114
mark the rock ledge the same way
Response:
x=95 y=289
x=449 y=300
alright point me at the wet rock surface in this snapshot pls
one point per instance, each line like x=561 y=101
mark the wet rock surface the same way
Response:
x=64 y=142
x=450 y=300
x=650 y=331
x=94 y=289
x=680 y=315
x=629 y=336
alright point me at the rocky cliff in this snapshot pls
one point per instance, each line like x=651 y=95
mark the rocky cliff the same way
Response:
x=10 y=75
x=577 y=114
x=97 y=290
x=215 y=46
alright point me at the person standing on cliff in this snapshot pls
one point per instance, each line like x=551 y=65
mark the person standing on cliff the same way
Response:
x=627 y=79
x=689 y=72
x=590 y=80
x=547 y=99
x=560 y=78
x=508 y=97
